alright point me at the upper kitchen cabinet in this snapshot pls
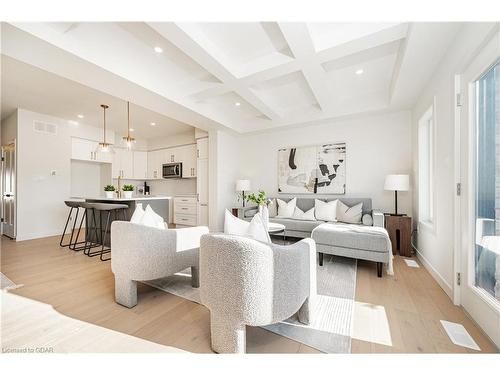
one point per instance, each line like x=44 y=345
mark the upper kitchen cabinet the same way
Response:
x=83 y=149
x=187 y=156
x=202 y=148
x=123 y=164
x=140 y=169
x=155 y=161
x=173 y=155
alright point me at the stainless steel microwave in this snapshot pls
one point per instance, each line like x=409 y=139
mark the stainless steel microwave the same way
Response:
x=172 y=170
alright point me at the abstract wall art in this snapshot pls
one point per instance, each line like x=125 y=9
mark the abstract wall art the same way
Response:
x=312 y=169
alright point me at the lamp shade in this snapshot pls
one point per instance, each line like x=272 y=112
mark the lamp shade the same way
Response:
x=243 y=185
x=397 y=182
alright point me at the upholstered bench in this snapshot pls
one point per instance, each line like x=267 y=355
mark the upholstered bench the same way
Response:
x=354 y=241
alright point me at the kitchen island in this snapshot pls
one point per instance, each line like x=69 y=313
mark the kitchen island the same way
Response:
x=159 y=203
x=162 y=205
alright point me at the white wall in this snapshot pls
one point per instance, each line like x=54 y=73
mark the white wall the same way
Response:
x=41 y=210
x=225 y=153
x=435 y=246
x=86 y=179
x=376 y=146
x=9 y=129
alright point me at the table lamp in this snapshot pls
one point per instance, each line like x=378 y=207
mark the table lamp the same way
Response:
x=397 y=182
x=243 y=185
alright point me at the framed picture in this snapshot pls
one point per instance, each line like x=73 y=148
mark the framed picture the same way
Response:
x=317 y=169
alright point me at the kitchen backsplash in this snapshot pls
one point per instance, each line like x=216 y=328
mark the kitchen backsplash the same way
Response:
x=166 y=187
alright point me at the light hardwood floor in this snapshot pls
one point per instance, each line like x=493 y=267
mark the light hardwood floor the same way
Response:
x=397 y=314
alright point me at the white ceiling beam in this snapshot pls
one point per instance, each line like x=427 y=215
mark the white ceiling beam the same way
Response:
x=379 y=38
x=300 y=42
x=382 y=37
x=188 y=40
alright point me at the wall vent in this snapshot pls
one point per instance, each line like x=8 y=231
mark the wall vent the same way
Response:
x=44 y=127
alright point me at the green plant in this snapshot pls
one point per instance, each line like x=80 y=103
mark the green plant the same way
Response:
x=259 y=198
x=128 y=188
x=109 y=188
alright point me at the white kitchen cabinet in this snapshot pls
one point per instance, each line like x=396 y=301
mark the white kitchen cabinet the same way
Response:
x=155 y=161
x=123 y=164
x=103 y=157
x=202 y=148
x=187 y=156
x=140 y=165
x=185 y=211
x=81 y=149
x=202 y=181
x=173 y=155
x=84 y=149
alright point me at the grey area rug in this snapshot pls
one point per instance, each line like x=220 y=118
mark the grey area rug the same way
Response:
x=6 y=283
x=331 y=329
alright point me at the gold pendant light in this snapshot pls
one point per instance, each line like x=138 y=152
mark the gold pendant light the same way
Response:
x=104 y=146
x=129 y=141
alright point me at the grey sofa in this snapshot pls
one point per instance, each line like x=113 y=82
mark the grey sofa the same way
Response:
x=349 y=240
x=303 y=228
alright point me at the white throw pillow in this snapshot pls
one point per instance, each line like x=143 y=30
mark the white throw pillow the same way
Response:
x=286 y=209
x=152 y=219
x=350 y=215
x=326 y=211
x=254 y=229
x=138 y=214
x=301 y=215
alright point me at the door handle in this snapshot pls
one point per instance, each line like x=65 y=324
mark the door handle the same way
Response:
x=7 y=195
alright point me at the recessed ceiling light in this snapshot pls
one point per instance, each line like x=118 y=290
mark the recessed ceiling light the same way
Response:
x=132 y=129
x=237 y=104
x=158 y=49
x=359 y=72
x=80 y=116
x=153 y=124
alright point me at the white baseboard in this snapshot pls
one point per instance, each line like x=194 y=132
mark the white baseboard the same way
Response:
x=448 y=289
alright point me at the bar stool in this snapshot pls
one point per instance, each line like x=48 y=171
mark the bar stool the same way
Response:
x=73 y=205
x=91 y=229
x=108 y=209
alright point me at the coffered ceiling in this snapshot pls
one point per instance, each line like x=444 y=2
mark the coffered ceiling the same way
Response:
x=245 y=76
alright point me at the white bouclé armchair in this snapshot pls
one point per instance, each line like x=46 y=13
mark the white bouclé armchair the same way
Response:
x=141 y=253
x=247 y=282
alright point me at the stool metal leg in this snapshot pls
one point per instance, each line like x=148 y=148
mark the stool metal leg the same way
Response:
x=72 y=244
x=88 y=237
x=104 y=238
x=65 y=227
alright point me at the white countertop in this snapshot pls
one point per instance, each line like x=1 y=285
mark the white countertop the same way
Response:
x=134 y=198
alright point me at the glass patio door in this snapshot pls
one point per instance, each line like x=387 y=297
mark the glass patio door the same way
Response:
x=480 y=200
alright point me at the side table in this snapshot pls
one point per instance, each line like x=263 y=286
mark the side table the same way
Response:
x=399 y=229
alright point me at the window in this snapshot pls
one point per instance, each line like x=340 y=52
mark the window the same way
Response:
x=425 y=167
x=487 y=181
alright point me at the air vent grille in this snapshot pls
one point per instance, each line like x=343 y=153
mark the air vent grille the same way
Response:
x=44 y=127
